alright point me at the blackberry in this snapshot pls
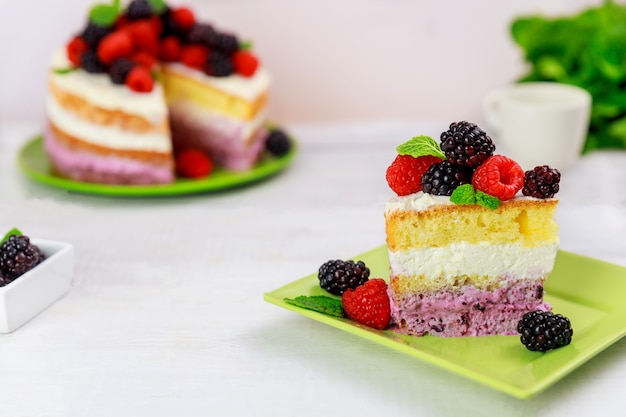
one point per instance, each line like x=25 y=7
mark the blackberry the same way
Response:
x=542 y=330
x=17 y=256
x=336 y=276
x=203 y=34
x=277 y=143
x=119 y=69
x=93 y=34
x=227 y=43
x=541 y=182
x=218 y=65
x=465 y=143
x=442 y=178
x=139 y=9
x=89 y=62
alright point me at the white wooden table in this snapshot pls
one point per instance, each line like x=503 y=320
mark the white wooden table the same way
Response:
x=166 y=315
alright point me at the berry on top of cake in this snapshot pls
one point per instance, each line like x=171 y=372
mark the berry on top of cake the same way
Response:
x=138 y=84
x=471 y=236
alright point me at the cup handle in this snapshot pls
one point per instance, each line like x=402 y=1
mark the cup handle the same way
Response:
x=491 y=107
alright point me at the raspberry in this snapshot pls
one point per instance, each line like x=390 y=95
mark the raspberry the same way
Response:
x=18 y=256
x=542 y=330
x=336 y=276
x=442 y=178
x=499 y=177
x=404 y=175
x=277 y=143
x=183 y=18
x=541 y=182
x=368 y=304
x=192 y=163
x=140 y=80
x=144 y=59
x=245 y=63
x=139 y=9
x=218 y=65
x=170 y=49
x=143 y=36
x=194 y=56
x=118 y=44
x=157 y=24
x=465 y=143
x=75 y=49
x=119 y=70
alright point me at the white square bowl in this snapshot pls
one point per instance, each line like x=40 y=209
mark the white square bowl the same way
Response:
x=31 y=293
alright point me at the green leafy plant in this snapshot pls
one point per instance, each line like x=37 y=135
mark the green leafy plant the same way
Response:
x=587 y=50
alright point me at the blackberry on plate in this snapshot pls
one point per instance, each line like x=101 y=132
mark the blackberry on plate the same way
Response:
x=336 y=276
x=542 y=330
x=218 y=65
x=89 y=62
x=443 y=177
x=277 y=143
x=18 y=256
x=464 y=143
x=541 y=182
x=119 y=69
x=139 y=9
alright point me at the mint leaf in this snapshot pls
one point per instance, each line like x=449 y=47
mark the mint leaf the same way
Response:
x=464 y=194
x=14 y=231
x=320 y=303
x=158 y=6
x=245 y=45
x=63 y=71
x=103 y=15
x=487 y=200
x=421 y=146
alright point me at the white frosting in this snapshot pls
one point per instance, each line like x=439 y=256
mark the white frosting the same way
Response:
x=99 y=90
x=458 y=259
x=110 y=137
x=421 y=201
x=247 y=88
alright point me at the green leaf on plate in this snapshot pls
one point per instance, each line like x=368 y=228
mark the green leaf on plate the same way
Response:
x=487 y=200
x=14 y=231
x=464 y=194
x=421 y=146
x=320 y=303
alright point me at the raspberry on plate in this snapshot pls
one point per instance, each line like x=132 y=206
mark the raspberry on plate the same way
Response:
x=368 y=304
x=404 y=175
x=499 y=177
x=193 y=163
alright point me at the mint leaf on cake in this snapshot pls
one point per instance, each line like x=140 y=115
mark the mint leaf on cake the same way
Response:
x=420 y=146
x=319 y=303
x=464 y=194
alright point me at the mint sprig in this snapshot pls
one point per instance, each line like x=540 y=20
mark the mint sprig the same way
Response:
x=63 y=71
x=467 y=194
x=14 y=231
x=158 y=6
x=421 y=146
x=104 y=15
x=320 y=303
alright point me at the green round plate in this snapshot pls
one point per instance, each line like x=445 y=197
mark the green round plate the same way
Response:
x=34 y=163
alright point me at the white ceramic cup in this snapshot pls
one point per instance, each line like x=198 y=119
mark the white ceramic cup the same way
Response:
x=539 y=123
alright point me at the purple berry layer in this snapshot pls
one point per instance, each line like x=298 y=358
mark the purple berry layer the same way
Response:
x=468 y=311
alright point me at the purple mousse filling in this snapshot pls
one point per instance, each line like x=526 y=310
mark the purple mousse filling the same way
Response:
x=468 y=311
x=89 y=167
x=221 y=137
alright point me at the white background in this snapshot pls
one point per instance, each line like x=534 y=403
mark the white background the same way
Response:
x=332 y=60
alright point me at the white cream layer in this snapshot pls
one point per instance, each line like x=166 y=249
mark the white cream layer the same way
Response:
x=421 y=201
x=110 y=137
x=99 y=90
x=481 y=259
x=247 y=88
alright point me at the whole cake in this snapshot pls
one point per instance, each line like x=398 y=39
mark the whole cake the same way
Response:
x=138 y=85
x=469 y=254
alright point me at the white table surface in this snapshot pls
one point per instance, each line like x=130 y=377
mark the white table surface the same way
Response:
x=166 y=314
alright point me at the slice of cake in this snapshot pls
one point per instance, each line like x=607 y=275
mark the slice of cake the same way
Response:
x=468 y=255
x=140 y=84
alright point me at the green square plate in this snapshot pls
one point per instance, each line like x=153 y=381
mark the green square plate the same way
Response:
x=588 y=291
